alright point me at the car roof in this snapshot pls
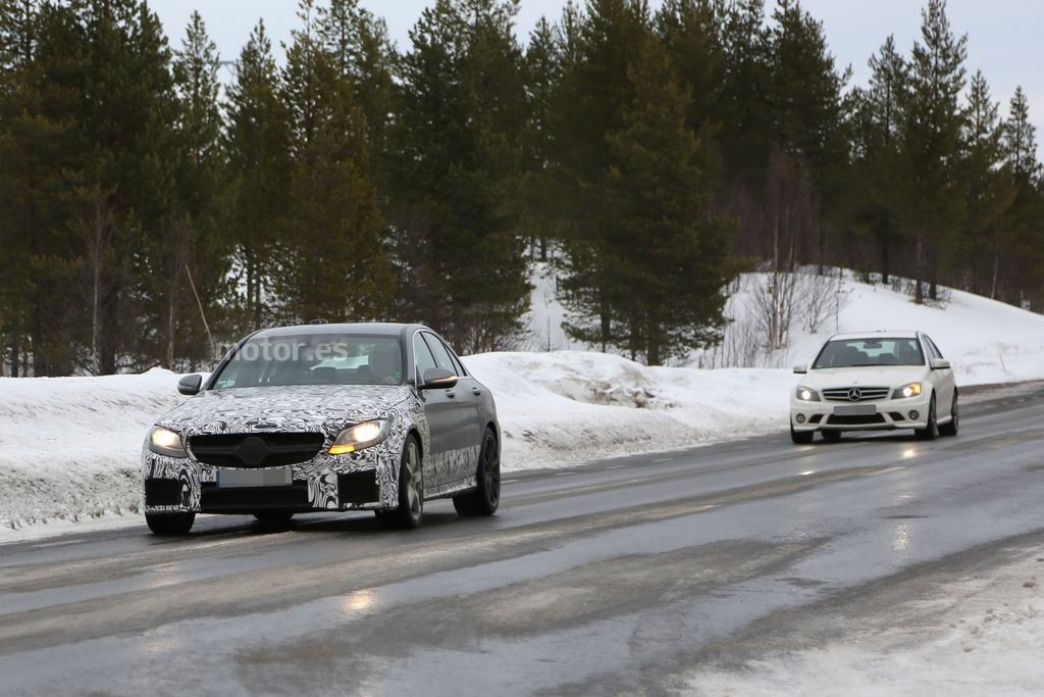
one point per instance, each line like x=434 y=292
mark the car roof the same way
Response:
x=877 y=334
x=363 y=328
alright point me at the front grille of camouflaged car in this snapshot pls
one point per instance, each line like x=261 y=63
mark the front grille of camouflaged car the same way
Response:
x=255 y=449
x=856 y=394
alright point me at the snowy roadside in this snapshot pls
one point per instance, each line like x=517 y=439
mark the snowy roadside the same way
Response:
x=69 y=447
x=980 y=635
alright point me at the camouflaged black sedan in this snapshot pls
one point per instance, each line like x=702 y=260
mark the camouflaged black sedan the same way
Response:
x=331 y=417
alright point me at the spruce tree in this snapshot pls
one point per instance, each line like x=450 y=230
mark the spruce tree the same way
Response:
x=257 y=145
x=333 y=263
x=878 y=152
x=933 y=120
x=988 y=193
x=671 y=284
x=461 y=117
x=191 y=257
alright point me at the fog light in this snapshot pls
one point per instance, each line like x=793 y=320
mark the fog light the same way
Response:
x=801 y=418
x=914 y=415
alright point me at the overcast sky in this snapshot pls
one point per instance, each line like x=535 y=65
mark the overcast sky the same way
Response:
x=1005 y=36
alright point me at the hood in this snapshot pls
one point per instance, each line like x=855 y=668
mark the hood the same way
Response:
x=866 y=376
x=324 y=408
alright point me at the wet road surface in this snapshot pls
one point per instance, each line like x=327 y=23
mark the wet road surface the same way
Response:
x=618 y=577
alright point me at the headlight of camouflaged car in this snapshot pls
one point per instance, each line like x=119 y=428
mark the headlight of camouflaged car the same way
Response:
x=359 y=437
x=807 y=394
x=907 y=391
x=166 y=442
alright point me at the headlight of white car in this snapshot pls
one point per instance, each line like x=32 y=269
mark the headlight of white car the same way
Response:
x=907 y=391
x=166 y=442
x=806 y=394
x=359 y=437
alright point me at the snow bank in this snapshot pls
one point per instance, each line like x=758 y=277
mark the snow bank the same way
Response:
x=568 y=406
x=69 y=447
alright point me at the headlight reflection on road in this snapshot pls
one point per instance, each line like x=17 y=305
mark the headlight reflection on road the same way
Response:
x=909 y=452
x=357 y=603
x=901 y=538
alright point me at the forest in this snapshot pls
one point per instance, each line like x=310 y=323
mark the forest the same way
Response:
x=155 y=205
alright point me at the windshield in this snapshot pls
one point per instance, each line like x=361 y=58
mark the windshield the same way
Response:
x=853 y=353
x=314 y=359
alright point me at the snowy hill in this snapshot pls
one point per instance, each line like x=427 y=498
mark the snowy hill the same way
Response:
x=69 y=447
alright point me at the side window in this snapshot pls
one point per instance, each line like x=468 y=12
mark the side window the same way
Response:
x=461 y=370
x=422 y=356
x=442 y=357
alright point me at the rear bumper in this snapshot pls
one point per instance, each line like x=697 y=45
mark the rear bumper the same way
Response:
x=890 y=414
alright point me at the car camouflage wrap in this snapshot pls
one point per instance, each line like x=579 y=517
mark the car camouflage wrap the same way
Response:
x=298 y=409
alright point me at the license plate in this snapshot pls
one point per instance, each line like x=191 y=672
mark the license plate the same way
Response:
x=237 y=478
x=856 y=410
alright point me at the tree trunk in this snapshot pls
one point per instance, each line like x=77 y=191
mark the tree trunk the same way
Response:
x=885 y=242
x=14 y=356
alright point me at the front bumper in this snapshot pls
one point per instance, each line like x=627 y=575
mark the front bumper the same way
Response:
x=365 y=480
x=890 y=414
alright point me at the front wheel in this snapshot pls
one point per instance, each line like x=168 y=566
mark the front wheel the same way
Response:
x=801 y=437
x=954 y=424
x=931 y=431
x=170 y=524
x=485 y=499
x=411 y=491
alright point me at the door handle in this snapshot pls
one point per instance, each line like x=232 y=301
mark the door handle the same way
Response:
x=450 y=394
x=476 y=391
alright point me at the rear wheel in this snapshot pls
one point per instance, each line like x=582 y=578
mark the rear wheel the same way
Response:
x=485 y=499
x=170 y=524
x=801 y=437
x=953 y=426
x=411 y=491
x=931 y=431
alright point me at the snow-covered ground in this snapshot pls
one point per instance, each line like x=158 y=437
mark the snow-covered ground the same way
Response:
x=69 y=447
x=979 y=636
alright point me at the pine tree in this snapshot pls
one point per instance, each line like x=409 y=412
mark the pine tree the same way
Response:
x=461 y=117
x=257 y=145
x=1023 y=230
x=671 y=299
x=191 y=256
x=988 y=193
x=878 y=151
x=594 y=96
x=334 y=264
x=932 y=131
x=806 y=110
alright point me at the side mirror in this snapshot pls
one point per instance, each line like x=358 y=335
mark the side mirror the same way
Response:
x=940 y=364
x=190 y=385
x=800 y=369
x=438 y=379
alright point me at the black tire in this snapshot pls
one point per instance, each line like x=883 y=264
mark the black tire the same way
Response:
x=931 y=431
x=485 y=499
x=831 y=436
x=952 y=427
x=410 y=512
x=801 y=437
x=274 y=520
x=170 y=524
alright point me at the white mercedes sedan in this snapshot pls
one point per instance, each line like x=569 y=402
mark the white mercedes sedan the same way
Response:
x=875 y=381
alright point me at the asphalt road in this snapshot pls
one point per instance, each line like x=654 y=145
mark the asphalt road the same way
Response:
x=619 y=577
